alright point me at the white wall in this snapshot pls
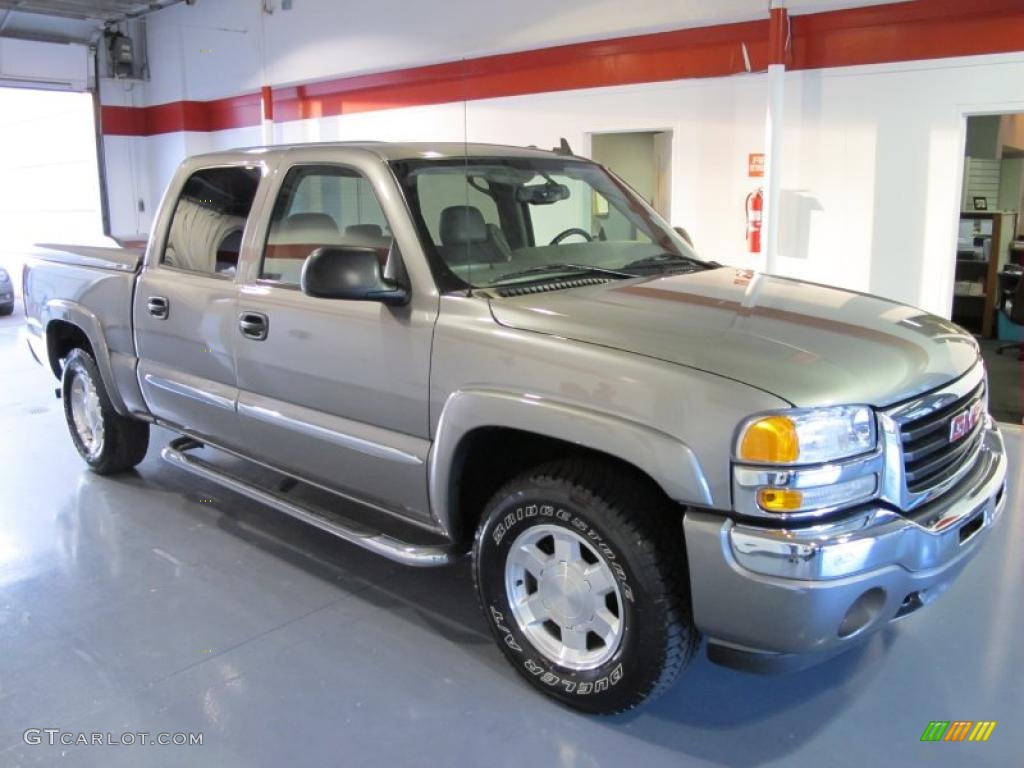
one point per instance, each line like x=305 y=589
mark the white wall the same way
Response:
x=872 y=171
x=215 y=49
x=872 y=158
x=871 y=177
x=714 y=124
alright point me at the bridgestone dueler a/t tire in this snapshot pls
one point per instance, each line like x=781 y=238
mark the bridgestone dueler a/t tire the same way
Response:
x=640 y=538
x=125 y=440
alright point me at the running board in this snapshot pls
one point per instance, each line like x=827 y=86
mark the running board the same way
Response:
x=419 y=555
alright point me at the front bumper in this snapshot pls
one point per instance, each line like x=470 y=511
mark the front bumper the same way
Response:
x=771 y=599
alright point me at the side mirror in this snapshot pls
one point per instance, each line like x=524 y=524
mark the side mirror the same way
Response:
x=685 y=235
x=352 y=273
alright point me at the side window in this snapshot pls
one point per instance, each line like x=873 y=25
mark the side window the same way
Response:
x=209 y=218
x=321 y=206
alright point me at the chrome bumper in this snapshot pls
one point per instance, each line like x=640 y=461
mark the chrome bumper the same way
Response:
x=775 y=599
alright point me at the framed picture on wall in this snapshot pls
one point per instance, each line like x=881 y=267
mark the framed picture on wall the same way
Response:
x=599 y=206
x=981 y=204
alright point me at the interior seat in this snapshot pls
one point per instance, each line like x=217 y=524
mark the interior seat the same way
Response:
x=369 y=236
x=467 y=239
x=309 y=227
x=293 y=239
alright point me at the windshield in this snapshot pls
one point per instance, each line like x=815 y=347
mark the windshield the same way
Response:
x=502 y=220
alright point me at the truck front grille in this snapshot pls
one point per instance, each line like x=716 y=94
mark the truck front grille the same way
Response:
x=930 y=456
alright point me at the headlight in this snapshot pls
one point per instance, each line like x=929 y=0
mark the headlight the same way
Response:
x=806 y=461
x=4 y=277
x=807 y=436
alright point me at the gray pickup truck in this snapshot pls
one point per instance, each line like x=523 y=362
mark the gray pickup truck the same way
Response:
x=431 y=350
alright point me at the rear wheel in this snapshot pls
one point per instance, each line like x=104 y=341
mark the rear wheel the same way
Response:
x=581 y=572
x=108 y=441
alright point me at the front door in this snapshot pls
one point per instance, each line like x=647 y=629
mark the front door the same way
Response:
x=335 y=391
x=185 y=308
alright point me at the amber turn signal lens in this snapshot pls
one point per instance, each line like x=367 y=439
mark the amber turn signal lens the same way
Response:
x=779 y=499
x=771 y=439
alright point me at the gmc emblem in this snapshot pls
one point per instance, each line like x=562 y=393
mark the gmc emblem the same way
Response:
x=962 y=424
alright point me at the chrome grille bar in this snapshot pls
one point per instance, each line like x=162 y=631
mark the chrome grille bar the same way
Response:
x=929 y=461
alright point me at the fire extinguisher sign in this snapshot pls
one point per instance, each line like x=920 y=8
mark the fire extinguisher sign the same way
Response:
x=755 y=165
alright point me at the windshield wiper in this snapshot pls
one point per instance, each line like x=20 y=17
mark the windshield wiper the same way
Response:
x=666 y=259
x=547 y=268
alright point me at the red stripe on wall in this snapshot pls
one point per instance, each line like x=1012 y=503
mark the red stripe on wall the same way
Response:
x=216 y=115
x=921 y=29
x=703 y=52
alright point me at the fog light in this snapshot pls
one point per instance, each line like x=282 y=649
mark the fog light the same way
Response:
x=779 y=499
x=804 y=499
x=863 y=611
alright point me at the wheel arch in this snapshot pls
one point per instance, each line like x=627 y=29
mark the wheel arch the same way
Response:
x=68 y=325
x=530 y=430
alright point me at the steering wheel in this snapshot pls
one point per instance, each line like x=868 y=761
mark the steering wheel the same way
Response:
x=569 y=233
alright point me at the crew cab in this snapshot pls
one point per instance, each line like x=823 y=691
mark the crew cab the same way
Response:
x=433 y=350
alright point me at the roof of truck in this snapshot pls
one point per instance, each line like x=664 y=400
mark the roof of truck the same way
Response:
x=401 y=150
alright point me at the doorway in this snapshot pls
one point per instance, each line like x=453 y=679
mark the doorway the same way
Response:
x=50 y=190
x=643 y=159
x=990 y=255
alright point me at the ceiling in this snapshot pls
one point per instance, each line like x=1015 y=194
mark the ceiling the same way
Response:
x=69 y=20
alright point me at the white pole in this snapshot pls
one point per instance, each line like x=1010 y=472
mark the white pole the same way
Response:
x=773 y=130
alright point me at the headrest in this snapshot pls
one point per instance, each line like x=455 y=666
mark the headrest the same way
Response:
x=364 y=230
x=311 y=222
x=462 y=224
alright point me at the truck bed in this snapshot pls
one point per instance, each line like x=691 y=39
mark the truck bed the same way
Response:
x=90 y=288
x=98 y=257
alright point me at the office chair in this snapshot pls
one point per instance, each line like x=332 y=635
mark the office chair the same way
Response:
x=1015 y=320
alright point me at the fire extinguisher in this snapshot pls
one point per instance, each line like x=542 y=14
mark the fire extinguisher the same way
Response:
x=754 y=206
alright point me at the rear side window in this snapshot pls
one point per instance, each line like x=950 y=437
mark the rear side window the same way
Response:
x=321 y=206
x=209 y=219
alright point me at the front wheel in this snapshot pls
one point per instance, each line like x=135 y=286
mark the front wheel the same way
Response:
x=581 y=572
x=108 y=441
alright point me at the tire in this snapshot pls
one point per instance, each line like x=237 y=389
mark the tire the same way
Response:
x=6 y=310
x=621 y=631
x=106 y=440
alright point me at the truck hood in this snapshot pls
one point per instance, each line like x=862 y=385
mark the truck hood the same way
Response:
x=806 y=343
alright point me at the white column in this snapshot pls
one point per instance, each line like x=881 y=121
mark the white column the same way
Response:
x=773 y=128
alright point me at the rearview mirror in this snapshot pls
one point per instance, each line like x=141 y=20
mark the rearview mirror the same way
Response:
x=542 y=194
x=352 y=273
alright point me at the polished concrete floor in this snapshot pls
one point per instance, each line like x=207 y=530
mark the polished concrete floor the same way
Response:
x=154 y=602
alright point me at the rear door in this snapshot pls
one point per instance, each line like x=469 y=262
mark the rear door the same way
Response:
x=336 y=391
x=185 y=309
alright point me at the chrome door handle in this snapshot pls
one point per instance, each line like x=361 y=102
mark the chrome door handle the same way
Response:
x=254 y=325
x=158 y=307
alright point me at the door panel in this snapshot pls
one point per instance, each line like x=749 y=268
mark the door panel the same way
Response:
x=186 y=366
x=185 y=308
x=337 y=394
x=337 y=391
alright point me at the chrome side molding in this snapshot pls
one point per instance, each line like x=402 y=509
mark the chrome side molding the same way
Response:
x=193 y=393
x=176 y=453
